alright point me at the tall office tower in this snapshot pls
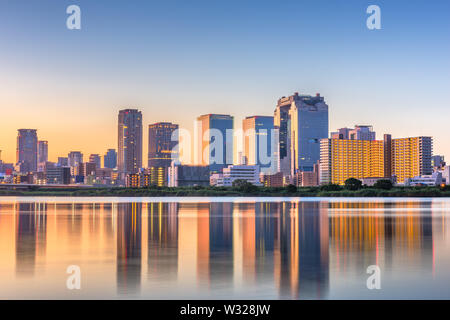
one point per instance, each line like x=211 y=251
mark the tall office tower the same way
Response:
x=302 y=121
x=27 y=153
x=110 y=159
x=358 y=133
x=411 y=157
x=259 y=141
x=161 y=148
x=95 y=158
x=130 y=141
x=343 y=159
x=42 y=152
x=74 y=158
x=215 y=141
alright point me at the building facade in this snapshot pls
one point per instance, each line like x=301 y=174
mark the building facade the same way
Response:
x=260 y=138
x=27 y=152
x=74 y=159
x=236 y=172
x=95 y=158
x=162 y=143
x=188 y=176
x=42 y=154
x=411 y=157
x=302 y=121
x=358 y=133
x=129 y=141
x=343 y=159
x=214 y=147
x=110 y=159
x=402 y=158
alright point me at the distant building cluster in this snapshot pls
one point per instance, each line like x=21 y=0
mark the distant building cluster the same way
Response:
x=293 y=146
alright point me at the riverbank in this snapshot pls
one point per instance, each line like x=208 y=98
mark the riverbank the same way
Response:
x=290 y=191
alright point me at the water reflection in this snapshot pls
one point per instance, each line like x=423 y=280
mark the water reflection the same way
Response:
x=241 y=249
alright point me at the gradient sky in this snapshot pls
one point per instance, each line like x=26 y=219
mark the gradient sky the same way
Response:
x=175 y=60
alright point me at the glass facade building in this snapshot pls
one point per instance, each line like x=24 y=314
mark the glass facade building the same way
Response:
x=161 y=146
x=259 y=141
x=302 y=121
x=130 y=141
x=215 y=141
x=27 y=152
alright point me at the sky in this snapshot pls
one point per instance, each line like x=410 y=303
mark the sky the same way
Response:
x=175 y=60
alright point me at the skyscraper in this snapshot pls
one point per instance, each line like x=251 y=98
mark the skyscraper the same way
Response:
x=215 y=141
x=129 y=141
x=259 y=139
x=160 y=145
x=42 y=154
x=110 y=159
x=303 y=122
x=27 y=154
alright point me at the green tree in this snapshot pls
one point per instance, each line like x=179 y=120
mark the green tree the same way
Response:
x=244 y=186
x=330 y=187
x=383 y=184
x=291 y=188
x=353 y=184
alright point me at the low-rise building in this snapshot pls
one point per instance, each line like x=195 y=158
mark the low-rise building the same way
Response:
x=58 y=175
x=446 y=175
x=272 y=180
x=137 y=180
x=372 y=180
x=236 y=172
x=434 y=179
x=188 y=176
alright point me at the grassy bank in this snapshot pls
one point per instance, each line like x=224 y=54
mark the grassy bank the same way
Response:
x=290 y=191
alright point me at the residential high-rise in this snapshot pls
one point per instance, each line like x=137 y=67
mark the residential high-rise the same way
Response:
x=259 y=141
x=161 y=146
x=27 y=153
x=74 y=158
x=110 y=159
x=343 y=159
x=42 y=154
x=302 y=121
x=403 y=158
x=129 y=141
x=411 y=157
x=95 y=158
x=215 y=141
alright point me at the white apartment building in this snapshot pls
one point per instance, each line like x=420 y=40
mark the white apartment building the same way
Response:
x=434 y=179
x=236 y=172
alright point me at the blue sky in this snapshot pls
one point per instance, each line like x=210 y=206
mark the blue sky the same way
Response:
x=175 y=60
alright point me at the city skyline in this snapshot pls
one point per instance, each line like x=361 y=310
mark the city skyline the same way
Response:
x=73 y=88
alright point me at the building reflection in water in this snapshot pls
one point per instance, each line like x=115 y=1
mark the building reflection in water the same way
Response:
x=302 y=264
x=293 y=249
x=381 y=233
x=31 y=225
x=162 y=241
x=129 y=244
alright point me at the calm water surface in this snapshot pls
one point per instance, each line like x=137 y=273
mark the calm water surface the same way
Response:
x=224 y=248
